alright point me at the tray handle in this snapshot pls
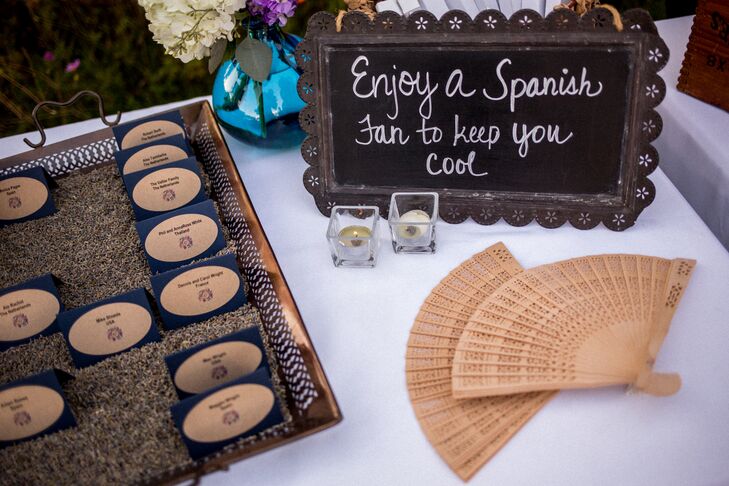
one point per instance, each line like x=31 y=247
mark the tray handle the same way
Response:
x=59 y=104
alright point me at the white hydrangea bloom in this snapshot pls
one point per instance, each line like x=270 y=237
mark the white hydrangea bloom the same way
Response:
x=188 y=28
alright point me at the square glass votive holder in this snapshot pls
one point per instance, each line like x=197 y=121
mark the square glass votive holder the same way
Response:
x=412 y=221
x=353 y=235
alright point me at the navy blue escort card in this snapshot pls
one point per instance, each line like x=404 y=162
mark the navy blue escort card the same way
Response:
x=34 y=406
x=199 y=291
x=207 y=365
x=28 y=310
x=160 y=190
x=149 y=129
x=176 y=238
x=108 y=327
x=153 y=154
x=26 y=195
x=244 y=407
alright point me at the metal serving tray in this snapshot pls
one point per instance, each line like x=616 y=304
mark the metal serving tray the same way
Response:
x=309 y=396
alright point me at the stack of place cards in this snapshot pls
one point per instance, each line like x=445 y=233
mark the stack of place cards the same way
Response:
x=471 y=7
x=32 y=407
x=226 y=391
x=225 y=414
x=25 y=195
x=157 y=165
x=28 y=310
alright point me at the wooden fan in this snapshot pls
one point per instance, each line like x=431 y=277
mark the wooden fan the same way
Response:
x=585 y=322
x=466 y=433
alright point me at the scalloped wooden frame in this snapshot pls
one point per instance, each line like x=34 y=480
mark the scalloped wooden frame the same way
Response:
x=644 y=124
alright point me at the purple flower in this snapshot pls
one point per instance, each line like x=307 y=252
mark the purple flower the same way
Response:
x=73 y=65
x=272 y=11
x=48 y=56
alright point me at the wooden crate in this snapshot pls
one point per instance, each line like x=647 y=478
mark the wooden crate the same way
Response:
x=705 y=69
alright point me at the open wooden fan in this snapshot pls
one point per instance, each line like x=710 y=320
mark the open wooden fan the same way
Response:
x=466 y=433
x=585 y=322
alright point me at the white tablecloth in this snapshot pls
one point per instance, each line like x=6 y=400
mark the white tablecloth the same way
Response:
x=359 y=320
x=694 y=147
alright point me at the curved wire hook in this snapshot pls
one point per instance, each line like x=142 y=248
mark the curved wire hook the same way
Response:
x=59 y=104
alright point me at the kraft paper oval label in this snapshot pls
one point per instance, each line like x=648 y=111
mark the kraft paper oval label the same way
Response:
x=181 y=237
x=200 y=290
x=166 y=189
x=110 y=328
x=21 y=197
x=228 y=413
x=153 y=156
x=217 y=364
x=149 y=132
x=25 y=313
x=27 y=410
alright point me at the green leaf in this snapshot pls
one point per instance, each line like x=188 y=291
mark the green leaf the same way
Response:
x=254 y=58
x=216 y=54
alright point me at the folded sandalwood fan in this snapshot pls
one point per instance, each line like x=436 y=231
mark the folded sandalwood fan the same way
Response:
x=466 y=433
x=492 y=343
x=585 y=322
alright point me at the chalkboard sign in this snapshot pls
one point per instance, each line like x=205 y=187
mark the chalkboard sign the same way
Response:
x=528 y=118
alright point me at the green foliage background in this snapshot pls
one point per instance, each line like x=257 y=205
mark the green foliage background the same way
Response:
x=118 y=57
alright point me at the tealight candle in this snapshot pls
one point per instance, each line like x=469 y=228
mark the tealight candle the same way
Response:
x=351 y=236
x=412 y=221
x=413 y=224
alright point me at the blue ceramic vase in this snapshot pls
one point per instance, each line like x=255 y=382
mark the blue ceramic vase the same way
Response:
x=238 y=102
